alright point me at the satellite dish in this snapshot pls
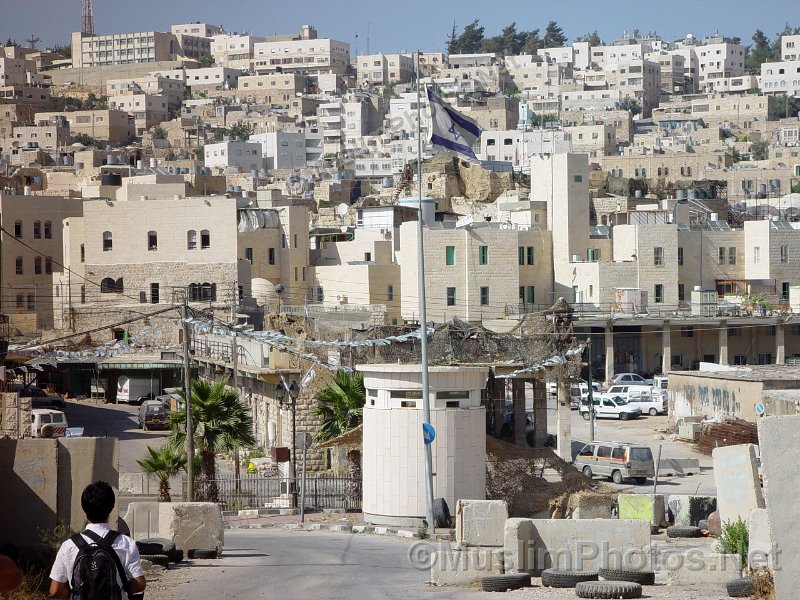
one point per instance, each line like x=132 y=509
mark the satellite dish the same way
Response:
x=342 y=209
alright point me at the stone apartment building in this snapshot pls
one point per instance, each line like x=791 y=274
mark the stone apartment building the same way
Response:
x=278 y=89
x=90 y=50
x=495 y=113
x=246 y=156
x=47 y=135
x=384 y=69
x=305 y=53
x=153 y=85
x=235 y=51
x=109 y=125
x=147 y=110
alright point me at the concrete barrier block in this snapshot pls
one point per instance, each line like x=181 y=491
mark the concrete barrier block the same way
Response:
x=517 y=536
x=642 y=506
x=143 y=519
x=588 y=544
x=591 y=506
x=192 y=525
x=689 y=510
x=672 y=467
x=779 y=439
x=480 y=522
x=738 y=485
x=463 y=566
x=692 y=568
x=760 y=549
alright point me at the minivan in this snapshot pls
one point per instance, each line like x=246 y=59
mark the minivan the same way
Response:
x=48 y=423
x=617 y=460
x=153 y=414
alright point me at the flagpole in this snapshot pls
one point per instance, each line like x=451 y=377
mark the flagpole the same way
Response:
x=423 y=317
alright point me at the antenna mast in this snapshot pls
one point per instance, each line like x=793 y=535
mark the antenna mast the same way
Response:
x=87 y=18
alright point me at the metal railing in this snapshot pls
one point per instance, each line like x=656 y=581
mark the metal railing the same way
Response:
x=256 y=491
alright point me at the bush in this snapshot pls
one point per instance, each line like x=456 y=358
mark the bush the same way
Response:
x=735 y=539
x=159 y=133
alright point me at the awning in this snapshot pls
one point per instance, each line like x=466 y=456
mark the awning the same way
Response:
x=139 y=366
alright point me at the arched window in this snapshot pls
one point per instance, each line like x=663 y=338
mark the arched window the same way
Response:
x=193 y=295
x=48 y=265
x=48 y=230
x=152 y=240
x=119 y=286
x=205 y=239
x=37 y=229
x=205 y=292
x=191 y=239
x=18 y=266
x=17 y=229
x=107 y=286
x=108 y=241
x=37 y=265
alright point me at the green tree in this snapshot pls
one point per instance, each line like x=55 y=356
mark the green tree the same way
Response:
x=593 y=39
x=554 y=36
x=159 y=133
x=10 y=43
x=786 y=107
x=220 y=423
x=164 y=463
x=340 y=405
x=86 y=140
x=206 y=60
x=532 y=43
x=631 y=104
x=759 y=151
x=775 y=54
x=759 y=53
x=240 y=130
x=65 y=51
x=200 y=153
x=469 y=41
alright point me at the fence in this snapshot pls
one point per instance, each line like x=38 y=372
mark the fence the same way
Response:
x=255 y=491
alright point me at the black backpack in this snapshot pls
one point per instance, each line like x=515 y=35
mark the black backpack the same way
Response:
x=94 y=573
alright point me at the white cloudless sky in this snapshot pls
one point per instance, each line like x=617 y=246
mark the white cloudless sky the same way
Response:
x=404 y=25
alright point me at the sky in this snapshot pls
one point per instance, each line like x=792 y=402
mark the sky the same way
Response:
x=401 y=26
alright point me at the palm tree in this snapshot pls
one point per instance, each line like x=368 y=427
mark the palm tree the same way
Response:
x=220 y=423
x=164 y=463
x=340 y=405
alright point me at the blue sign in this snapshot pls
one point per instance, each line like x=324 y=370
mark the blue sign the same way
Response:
x=428 y=433
x=760 y=409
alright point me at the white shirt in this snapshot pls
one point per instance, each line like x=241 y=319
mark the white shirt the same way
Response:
x=124 y=546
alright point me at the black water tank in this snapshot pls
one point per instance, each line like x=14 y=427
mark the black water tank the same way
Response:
x=114 y=179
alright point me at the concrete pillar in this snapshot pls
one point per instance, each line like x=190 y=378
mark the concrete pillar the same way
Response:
x=518 y=399
x=609 y=351
x=563 y=423
x=780 y=346
x=666 y=347
x=539 y=416
x=498 y=392
x=723 y=343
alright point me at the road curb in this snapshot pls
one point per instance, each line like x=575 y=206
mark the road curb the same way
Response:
x=337 y=528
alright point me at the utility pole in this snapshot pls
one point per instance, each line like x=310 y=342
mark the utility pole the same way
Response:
x=187 y=395
x=235 y=363
x=591 y=389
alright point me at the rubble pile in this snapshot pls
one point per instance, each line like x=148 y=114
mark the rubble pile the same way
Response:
x=730 y=432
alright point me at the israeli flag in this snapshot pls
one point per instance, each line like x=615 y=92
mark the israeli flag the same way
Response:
x=451 y=130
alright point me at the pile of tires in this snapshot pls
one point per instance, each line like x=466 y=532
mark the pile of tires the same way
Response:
x=159 y=551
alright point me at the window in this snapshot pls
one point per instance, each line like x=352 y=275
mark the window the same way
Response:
x=785 y=291
x=681 y=292
x=604 y=451
x=390 y=292
x=530 y=255
x=37 y=230
x=658 y=292
x=48 y=230
x=154 y=293
x=152 y=240
x=680 y=256
x=721 y=255
x=271 y=256
x=37 y=265
x=734 y=332
x=248 y=255
x=107 y=285
x=18 y=229
x=687 y=332
x=205 y=239
x=739 y=359
x=578 y=178
x=31 y=302
x=732 y=255
x=367 y=256
x=658 y=256
x=451 y=296
x=484 y=296
x=450 y=255
x=191 y=239
x=295 y=240
x=522 y=294
x=521 y=255
x=531 y=298
x=483 y=255
x=20 y=301
x=784 y=254
x=48 y=265
x=108 y=242
x=83 y=253
x=756 y=254
x=18 y=266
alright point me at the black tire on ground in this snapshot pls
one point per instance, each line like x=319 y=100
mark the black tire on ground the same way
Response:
x=557 y=578
x=653 y=412
x=640 y=577
x=740 y=588
x=586 y=416
x=608 y=589
x=587 y=472
x=623 y=416
x=641 y=480
x=155 y=545
x=683 y=531
x=202 y=554
x=616 y=477
x=441 y=513
x=176 y=556
x=703 y=524
x=157 y=559
x=501 y=583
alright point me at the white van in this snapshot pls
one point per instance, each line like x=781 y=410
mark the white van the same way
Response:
x=610 y=407
x=48 y=423
x=617 y=460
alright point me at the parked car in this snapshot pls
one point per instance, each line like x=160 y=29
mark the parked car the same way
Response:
x=153 y=414
x=629 y=390
x=39 y=397
x=651 y=404
x=610 y=407
x=48 y=423
x=617 y=460
x=629 y=378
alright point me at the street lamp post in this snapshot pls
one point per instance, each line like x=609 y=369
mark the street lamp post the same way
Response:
x=293 y=391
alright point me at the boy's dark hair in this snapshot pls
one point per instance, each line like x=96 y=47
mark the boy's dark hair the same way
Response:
x=97 y=501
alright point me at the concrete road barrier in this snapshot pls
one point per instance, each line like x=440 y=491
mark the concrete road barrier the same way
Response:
x=480 y=522
x=738 y=485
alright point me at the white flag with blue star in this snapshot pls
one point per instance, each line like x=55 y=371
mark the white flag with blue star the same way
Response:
x=451 y=130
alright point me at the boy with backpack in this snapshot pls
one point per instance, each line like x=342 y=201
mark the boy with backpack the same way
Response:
x=98 y=564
